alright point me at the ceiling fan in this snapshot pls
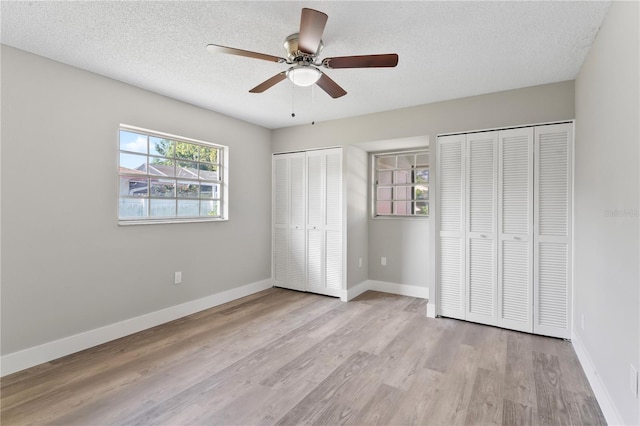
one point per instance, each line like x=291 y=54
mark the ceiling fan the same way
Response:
x=303 y=49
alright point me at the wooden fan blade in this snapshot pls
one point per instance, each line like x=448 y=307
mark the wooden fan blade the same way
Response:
x=388 y=60
x=312 y=24
x=269 y=83
x=214 y=48
x=330 y=86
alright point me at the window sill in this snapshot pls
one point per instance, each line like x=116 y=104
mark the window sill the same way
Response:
x=400 y=217
x=168 y=221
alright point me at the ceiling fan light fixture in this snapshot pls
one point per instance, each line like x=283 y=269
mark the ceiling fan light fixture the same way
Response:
x=303 y=75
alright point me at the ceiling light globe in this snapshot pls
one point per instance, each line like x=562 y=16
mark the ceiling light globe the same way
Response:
x=303 y=75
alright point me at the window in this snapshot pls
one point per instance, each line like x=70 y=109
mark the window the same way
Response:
x=401 y=184
x=165 y=178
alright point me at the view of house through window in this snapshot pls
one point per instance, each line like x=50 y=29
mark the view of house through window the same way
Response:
x=401 y=184
x=164 y=177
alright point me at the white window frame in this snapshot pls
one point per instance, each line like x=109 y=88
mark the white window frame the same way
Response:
x=222 y=180
x=375 y=184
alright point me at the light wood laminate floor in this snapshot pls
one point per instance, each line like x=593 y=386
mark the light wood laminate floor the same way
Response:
x=287 y=358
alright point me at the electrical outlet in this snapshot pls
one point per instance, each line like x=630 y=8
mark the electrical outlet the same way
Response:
x=359 y=262
x=177 y=279
x=633 y=380
x=383 y=261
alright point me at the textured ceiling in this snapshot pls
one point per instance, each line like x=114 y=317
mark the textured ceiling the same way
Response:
x=447 y=49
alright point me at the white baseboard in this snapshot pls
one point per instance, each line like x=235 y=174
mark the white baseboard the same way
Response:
x=602 y=395
x=49 y=351
x=356 y=291
x=386 y=287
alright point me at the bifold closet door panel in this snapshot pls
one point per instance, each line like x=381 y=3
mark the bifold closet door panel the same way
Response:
x=450 y=156
x=515 y=229
x=315 y=221
x=297 y=263
x=289 y=264
x=280 y=212
x=481 y=217
x=552 y=229
x=324 y=221
x=333 y=222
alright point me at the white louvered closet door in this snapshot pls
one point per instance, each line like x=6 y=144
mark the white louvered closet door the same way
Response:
x=280 y=214
x=515 y=229
x=289 y=260
x=333 y=222
x=324 y=221
x=552 y=229
x=297 y=245
x=450 y=277
x=481 y=202
x=315 y=218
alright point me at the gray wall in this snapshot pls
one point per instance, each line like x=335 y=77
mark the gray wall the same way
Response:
x=407 y=244
x=67 y=267
x=356 y=161
x=606 y=253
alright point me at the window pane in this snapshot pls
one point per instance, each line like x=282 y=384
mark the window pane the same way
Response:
x=383 y=207
x=132 y=162
x=163 y=188
x=402 y=176
x=134 y=142
x=209 y=208
x=422 y=160
x=161 y=167
x=422 y=192
x=209 y=190
x=163 y=208
x=161 y=147
x=187 y=169
x=403 y=193
x=188 y=207
x=186 y=151
x=187 y=189
x=388 y=162
x=406 y=161
x=134 y=186
x=131 y=207
x=384 y=194
x=384 y=177
x=422 y=208
x=208 y=155
x=209 y=172
x=402 y=208
x=422 y=175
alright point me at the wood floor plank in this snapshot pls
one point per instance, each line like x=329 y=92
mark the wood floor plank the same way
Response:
x=447 y=346
x=313 y=407
x=485 y=406
x=583 y=409
x=287 y=357
x=407 y=353
x=417 y=306
x=449 y=406
x=519 y=383
x=381 y=408
x=552 y=405
x=515 y=414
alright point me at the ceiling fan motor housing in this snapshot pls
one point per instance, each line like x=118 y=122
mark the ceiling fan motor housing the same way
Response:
x=295 y=54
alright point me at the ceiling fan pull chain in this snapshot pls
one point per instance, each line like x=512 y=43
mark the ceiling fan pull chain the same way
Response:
x=293 y=101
